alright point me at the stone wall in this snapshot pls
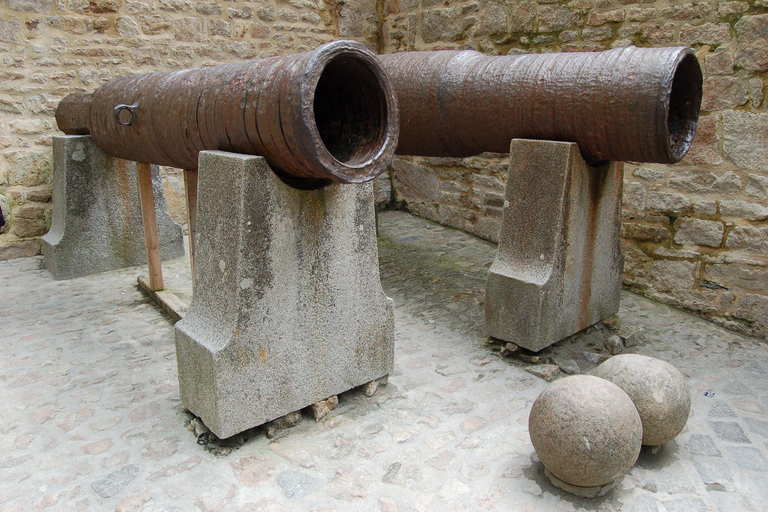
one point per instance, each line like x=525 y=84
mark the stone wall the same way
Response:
x=50 y=48
x=694 y=233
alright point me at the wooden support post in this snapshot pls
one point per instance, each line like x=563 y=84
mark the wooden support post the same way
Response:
x=150 y=226
x=190 y=187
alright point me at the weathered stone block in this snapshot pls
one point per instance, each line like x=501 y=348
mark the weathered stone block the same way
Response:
x=757 y=186
x=706 y=143
x=699 y=232
x=556 y=17
x=97 y=224
x=746 y=139
x=414 y=181
x=743 y=210
x=558 y=268
x=752 y=49
x=288 y=307
x=721 y=92
x=9 y=31
x=668 y=202
x=752 y=238
x=634 y=196
x=707 y=33
x=41 y=6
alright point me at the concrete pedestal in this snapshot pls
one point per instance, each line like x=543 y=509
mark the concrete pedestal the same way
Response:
x=288 y=307
x=96 y=223
x=559 y=265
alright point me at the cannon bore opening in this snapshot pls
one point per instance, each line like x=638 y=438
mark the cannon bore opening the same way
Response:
x=350 y=108
x=684 y=103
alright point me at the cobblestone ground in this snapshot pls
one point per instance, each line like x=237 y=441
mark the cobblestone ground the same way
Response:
x=90 y=417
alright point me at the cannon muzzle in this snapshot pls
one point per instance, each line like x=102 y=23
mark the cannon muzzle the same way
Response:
x=628 y=104
x=328 y=114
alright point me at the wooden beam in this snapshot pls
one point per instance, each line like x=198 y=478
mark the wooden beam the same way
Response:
x=190 y=187
x=150 y=226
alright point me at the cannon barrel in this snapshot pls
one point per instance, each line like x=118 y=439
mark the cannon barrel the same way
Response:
x=328 y=114
x=636 y=104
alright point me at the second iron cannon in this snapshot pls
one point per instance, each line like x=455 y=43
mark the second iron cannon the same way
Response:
x=628 y=104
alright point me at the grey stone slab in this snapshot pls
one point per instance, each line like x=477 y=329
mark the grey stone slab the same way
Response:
x=115 y=482
x=757 y=426
x=729 y=431
x=686 y=505
x=559 y=265
x=700 y=444
x=288 y=307
x=295 y=484
x=721 y=410
x=747 y=457
x=642 y=503
x=97 y=224
x=713 y=472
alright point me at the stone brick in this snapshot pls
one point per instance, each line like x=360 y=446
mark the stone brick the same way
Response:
x=9 y=31
x=634 y=196
x=719 y=62
x=241 y=13
x=217 y=27
x=649 y=174
x=20 y=249
x=30 y=126
x=95 y=76
x=660 y=34
x=754 y=308
x=668 y=202
x=11 y=104
x=493 y=21
x=746 y=139
x=597 y=34
x=259 y=31
x=756 y=91
x=553 y=18
x=41 y=6
x=600 y=18
x=728 y=183
x=31 y=219
x=707 y=33
x=754 y=239
x=743 y=210
x=705 y=208
x=188 y=29
x=27 y=168
x=699 y=232
x=705 y=148
x=752 y=49
x=104 y=6
x=692 y=181
x=175 y=5
x=722 y=92
x=155 y=24
x=442 y=25
x=522 y=16
x=209 y=8
x=415 y=181
x=737 y=275
x=673 y=275
x=757 y=186
x=641 y=13
x=146 y=57
x=127 y=26
x=138 y=7
x=726 y=9
x=678 y=12
x=645 y=232
x=267 y=14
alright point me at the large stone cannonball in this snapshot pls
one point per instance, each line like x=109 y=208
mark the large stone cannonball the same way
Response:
x=585 y=430
x=657 y=389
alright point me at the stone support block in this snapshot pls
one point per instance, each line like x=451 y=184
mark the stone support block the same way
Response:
x=559 y=264
x=96 y=224
x=288 y=306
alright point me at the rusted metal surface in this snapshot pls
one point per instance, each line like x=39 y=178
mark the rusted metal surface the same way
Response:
x=327 y=114
x=628 y=104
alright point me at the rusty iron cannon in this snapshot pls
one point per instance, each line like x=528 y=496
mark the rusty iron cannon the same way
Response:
x=329 y=114
x=628 y=104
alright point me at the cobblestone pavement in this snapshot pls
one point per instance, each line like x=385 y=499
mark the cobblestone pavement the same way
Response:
x=90 y=417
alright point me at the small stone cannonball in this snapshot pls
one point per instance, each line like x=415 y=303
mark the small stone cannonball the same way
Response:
x=657 y=389
x=585 y=430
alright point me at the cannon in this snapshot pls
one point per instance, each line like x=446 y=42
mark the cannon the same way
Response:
x=327 y=115
x=628 y=104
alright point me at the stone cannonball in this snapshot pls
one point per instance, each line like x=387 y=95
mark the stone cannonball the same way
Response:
x=585 y=430
x=657 y=389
